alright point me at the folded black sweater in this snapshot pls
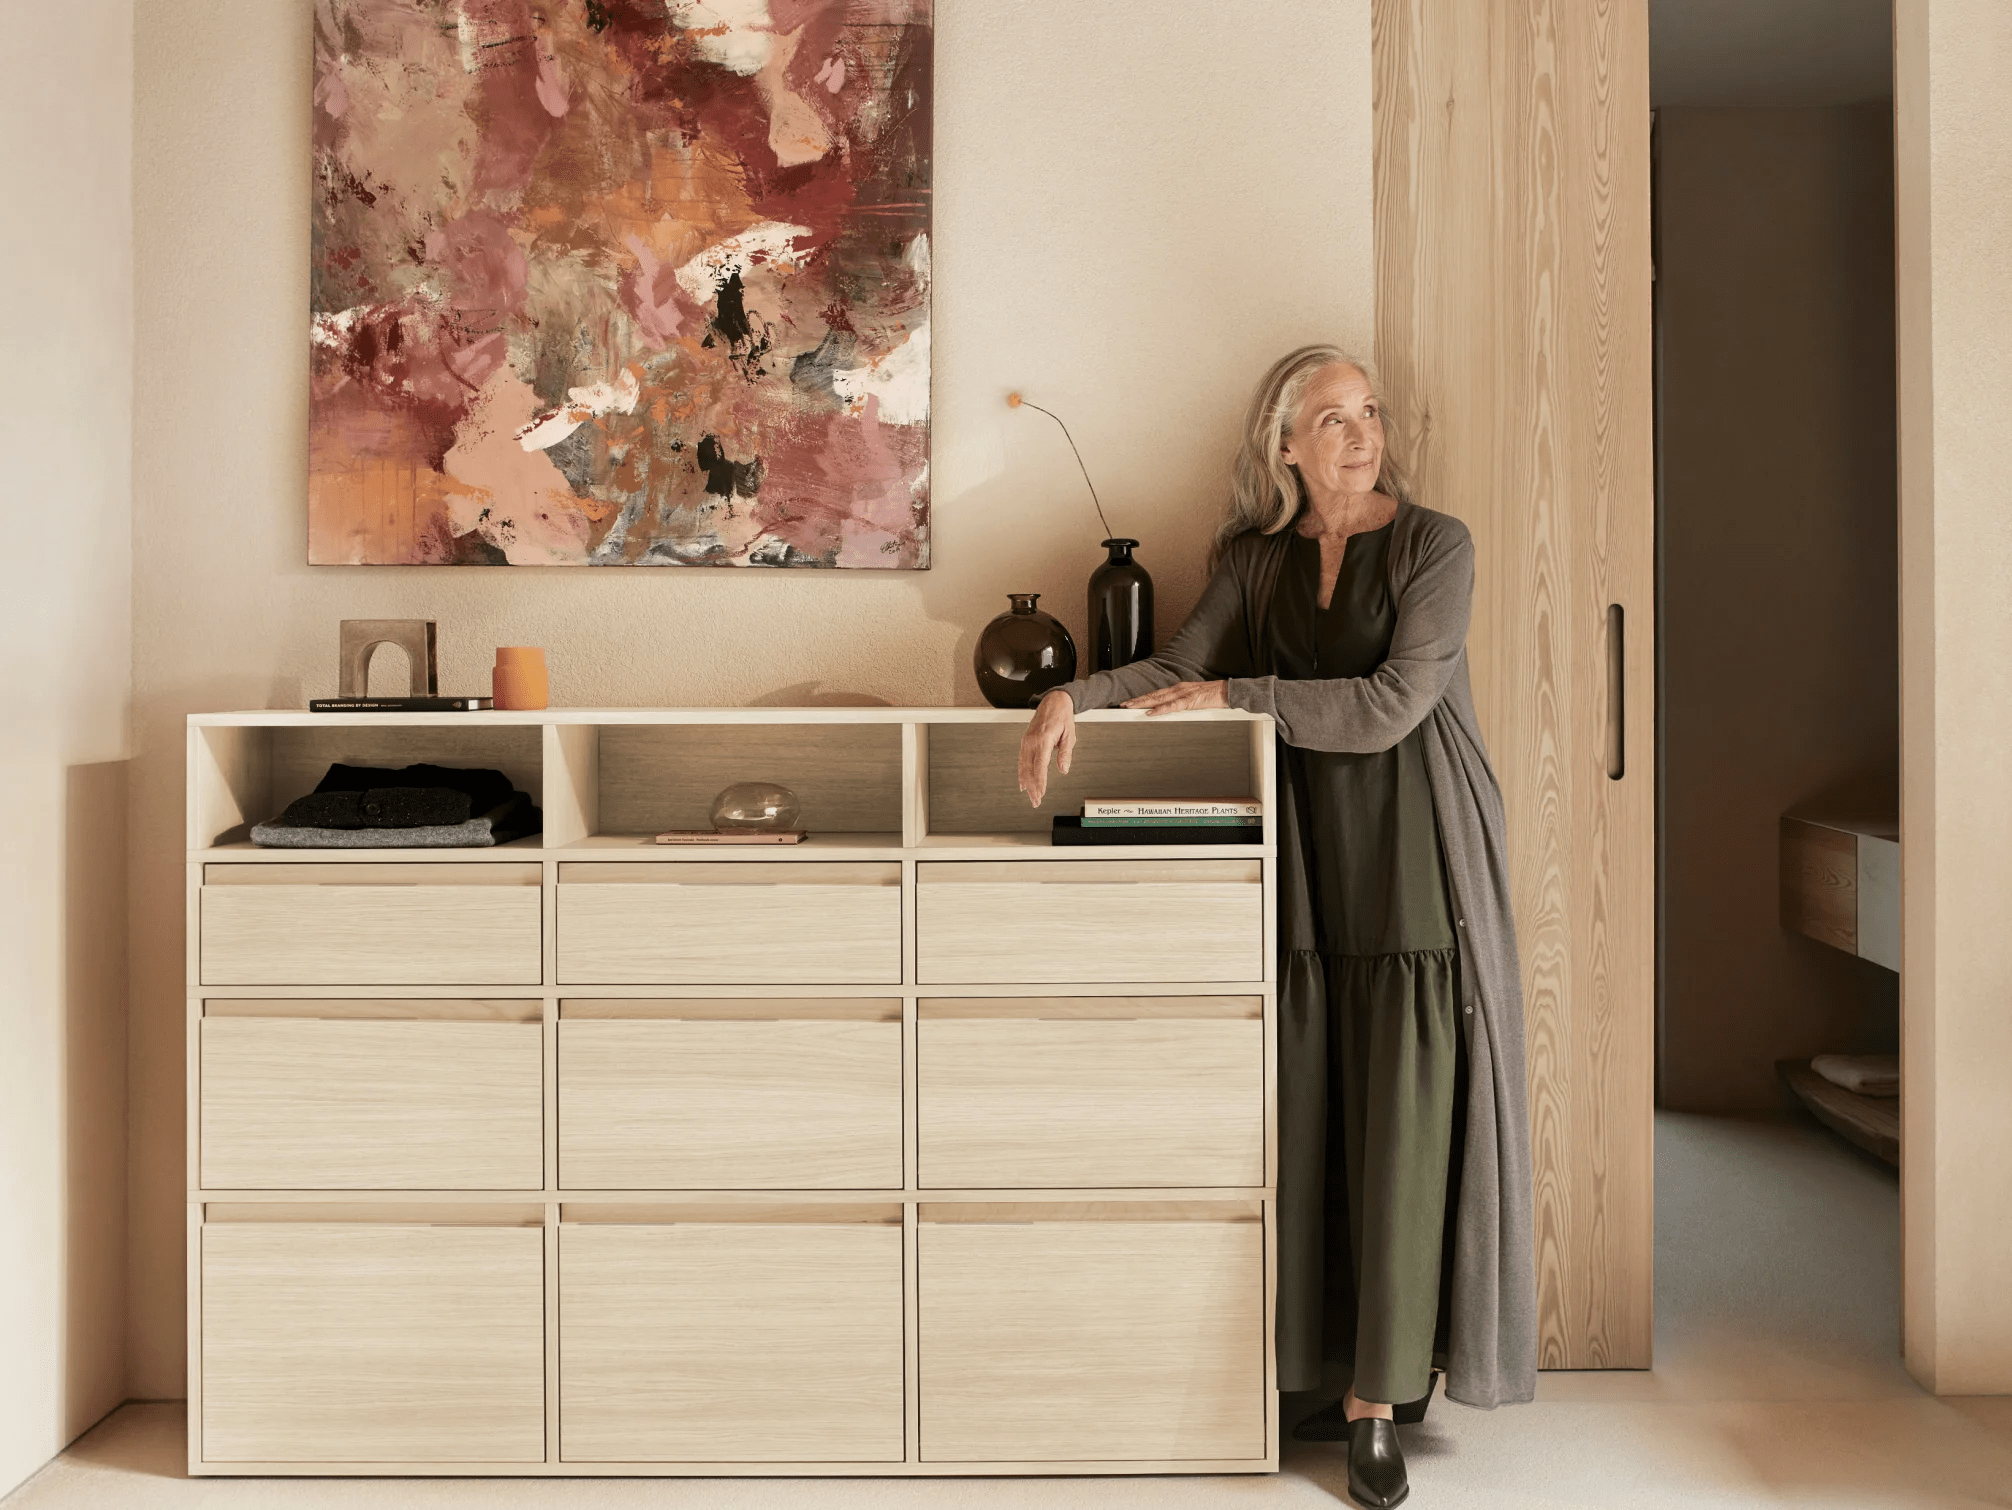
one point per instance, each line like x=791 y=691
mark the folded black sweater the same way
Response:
x=379 y=807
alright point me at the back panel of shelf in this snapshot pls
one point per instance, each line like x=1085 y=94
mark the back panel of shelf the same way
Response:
x=974 y=784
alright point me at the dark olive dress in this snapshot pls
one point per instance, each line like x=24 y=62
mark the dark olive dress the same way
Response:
x=1366 y=910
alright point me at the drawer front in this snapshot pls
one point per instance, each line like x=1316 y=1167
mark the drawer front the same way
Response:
x=419 y=924
x=1114 y=1092
x=339 y=1343
x=715 y=1100
x=731 y=1342
x=1048 y=922
x=302 y=1104
x=1139 y=1336
x=773 y=923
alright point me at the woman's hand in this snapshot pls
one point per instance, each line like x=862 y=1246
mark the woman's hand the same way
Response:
x=1183 y=697
x=1052 y=732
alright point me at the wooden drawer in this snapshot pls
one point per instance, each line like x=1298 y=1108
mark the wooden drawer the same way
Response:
x=1099 y=1331
x=720 y=1095
x=1112 y=1091
x=732 y=1335
x=416 y=924
x=347 y=1342
x=1043 y=922
x=341 y=1095
x=716 y=923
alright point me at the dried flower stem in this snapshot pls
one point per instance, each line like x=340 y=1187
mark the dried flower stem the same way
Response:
x=1018 y=402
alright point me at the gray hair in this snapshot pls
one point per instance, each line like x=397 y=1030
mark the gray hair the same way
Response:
x=1265 y=490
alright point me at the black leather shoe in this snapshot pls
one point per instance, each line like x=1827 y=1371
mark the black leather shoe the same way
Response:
x=1411 y=1412
x=1376 y=1476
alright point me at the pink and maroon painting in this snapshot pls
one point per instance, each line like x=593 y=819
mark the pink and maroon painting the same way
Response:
x=620 y=282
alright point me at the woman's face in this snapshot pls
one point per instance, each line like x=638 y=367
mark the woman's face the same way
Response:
x=1336 y=439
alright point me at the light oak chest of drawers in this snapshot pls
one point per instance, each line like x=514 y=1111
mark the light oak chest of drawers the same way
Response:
x=921 y=1148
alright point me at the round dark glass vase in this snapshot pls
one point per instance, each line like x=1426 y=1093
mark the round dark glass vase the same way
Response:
x=1121 y=609
x=1023 y=655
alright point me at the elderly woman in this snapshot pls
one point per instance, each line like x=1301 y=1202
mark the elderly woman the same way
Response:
x=1340 y=608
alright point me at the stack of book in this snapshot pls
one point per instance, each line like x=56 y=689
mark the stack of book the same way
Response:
x=1159 y=820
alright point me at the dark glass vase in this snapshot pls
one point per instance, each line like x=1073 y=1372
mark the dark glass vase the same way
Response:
x=1121 y=609
x=1023 y=655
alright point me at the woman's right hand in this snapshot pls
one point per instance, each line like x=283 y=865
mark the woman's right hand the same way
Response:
x=1052 y=732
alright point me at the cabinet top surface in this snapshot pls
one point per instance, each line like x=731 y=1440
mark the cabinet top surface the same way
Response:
x=284 y=718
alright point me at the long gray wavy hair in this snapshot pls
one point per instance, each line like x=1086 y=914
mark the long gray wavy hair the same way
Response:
x=1265 y=490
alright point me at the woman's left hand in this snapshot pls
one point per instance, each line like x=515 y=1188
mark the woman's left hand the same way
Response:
x=1183 y=697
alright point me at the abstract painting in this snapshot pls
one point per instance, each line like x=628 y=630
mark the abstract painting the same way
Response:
x=620 y=282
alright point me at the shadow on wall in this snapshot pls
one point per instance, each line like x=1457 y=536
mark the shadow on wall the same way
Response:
x=94 y=1091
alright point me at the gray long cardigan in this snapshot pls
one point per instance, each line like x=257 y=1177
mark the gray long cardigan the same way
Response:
x=1492 y=1357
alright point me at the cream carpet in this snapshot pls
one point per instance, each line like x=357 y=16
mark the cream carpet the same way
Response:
x=1777 y=1383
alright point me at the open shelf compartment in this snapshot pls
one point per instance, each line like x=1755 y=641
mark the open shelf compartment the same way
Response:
x=244 y=774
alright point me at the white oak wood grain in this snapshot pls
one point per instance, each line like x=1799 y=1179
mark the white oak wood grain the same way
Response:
x=973 y=788
x=370 y=934
x=736 y=1008
x=847 y=776
x=291 y=1103
x=378 y=1008
x=1110 y=928
x=731 y=1342
x=376 y=872
x=737 y=1207
x=722 y=1104
x=1513 y=330
x=572 y=797
x=1072 y=1008
x=337 y=1343
x=734 y=872
x=1091 y=1340
x=1091 y=1103
x=799 y=924
x=421 y=1208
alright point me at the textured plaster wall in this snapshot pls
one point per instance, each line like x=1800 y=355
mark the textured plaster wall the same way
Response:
x=65 y=588
x=1780 y=677
x=1953 y=75
x=1138 y=205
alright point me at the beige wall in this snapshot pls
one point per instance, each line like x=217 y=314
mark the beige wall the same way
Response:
x=1780 y=676
x=1138 y=205
x=65 y=583
x=1953 y=76
x=1952 y=69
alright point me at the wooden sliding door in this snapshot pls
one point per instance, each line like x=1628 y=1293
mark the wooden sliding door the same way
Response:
x=1513 y=332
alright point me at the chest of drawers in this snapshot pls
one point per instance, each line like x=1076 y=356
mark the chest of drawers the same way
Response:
x=919 y=1148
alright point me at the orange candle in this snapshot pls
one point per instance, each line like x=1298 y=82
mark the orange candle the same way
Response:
x=519 y=679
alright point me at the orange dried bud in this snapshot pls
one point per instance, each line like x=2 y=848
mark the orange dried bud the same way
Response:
x=1012 y=401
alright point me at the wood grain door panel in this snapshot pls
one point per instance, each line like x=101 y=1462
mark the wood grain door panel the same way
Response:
x=328 y=1342
x=731 y=1342
x=371 y=925
x=712 y=1103
x=1166 y=1091
x=1050 y=1335
x=292 y=1103
x=1052 y=922
x=722 y=923
x=1513 y=333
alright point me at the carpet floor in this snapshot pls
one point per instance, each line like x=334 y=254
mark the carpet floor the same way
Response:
x=1777 y=1382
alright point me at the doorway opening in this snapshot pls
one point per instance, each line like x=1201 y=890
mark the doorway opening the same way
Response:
x=1778 y=650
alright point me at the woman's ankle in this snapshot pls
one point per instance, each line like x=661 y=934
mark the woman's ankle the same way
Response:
x=1357 y=1409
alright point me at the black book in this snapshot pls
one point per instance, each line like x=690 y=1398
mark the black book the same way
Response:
x=1070 y=831
x=400 y=704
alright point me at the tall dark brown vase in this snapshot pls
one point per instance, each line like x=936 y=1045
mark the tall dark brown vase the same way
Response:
x=1121 y=609
x=1023 y=655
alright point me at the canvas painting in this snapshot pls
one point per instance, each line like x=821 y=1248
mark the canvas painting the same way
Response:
x=620 y=283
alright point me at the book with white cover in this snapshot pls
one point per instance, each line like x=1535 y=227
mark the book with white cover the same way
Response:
x=1246 y=809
